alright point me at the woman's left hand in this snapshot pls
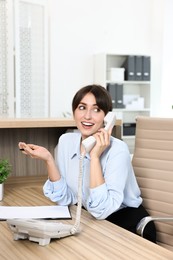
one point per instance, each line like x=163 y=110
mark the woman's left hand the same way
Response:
x=102 y=142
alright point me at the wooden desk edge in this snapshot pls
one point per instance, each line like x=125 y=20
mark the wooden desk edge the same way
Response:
x=39 y=123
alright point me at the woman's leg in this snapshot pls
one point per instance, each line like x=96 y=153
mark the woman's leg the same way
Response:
x=128 y=218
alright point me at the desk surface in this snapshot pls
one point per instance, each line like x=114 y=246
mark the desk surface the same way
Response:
x=98 y=240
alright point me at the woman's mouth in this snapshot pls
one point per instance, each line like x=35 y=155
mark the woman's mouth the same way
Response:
x=87 y=124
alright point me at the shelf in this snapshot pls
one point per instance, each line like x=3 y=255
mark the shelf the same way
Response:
x=130 y=97
x=128 y=137
x=131 y=110
x=128 y=82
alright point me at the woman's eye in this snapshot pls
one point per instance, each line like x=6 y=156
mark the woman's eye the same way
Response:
x=97 y=109
x=81 y=107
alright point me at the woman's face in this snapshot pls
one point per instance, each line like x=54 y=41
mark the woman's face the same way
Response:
x=88 y=116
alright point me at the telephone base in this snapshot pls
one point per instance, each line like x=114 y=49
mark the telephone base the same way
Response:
x=38 y=230
x=41 y=241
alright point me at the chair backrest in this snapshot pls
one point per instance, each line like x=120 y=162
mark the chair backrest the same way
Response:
x=153 y=167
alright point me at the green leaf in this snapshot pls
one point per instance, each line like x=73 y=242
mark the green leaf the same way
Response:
x=5 y=169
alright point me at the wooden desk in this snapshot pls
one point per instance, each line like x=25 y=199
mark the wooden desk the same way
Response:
x=44 y=132
x=98 y=240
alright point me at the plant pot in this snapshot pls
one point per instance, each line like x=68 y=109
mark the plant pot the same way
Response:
x=1 y=191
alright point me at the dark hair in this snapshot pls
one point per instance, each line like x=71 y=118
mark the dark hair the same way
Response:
x=102 y=96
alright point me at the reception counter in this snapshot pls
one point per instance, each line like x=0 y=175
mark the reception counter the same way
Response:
x=44 y=132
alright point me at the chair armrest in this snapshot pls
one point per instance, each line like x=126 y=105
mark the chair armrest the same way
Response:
x=144 y=221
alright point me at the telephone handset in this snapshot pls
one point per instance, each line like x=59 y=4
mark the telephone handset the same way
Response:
x=109 y=121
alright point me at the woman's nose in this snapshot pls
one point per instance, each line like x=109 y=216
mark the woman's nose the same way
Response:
x=88 y=114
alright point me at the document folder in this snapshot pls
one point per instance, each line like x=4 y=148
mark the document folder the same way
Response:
x=111 y=87
x=138 y=68
x=129 y=66
x=119 y=96
x=116 y=92
x=146 y=68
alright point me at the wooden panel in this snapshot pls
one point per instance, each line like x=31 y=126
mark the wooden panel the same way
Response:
x=44 y=132
x=23 y=165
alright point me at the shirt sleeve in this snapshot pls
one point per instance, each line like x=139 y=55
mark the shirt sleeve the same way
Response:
x=58 y=192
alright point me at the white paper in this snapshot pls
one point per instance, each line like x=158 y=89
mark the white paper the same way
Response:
x=41 y=212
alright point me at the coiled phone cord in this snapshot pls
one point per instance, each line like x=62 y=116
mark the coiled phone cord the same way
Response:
x=76 y=227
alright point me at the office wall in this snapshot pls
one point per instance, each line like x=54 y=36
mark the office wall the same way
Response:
x=167 y=62
x=81 y=28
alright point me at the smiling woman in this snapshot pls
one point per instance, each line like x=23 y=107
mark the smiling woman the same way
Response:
x=88 y=116
x=110 y=190
x=90 y=105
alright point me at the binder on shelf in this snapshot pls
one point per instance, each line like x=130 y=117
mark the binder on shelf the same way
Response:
x=116 y=92
x=112 y=91
x=146 y=68
x=138 y=68
x=129 y=128
x=119 y=96
x=129 y=66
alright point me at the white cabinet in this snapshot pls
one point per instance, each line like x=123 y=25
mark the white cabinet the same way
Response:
x=135 y=93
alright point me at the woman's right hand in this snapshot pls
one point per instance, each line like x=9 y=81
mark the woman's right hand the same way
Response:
x=35 y=151
x=39 y=152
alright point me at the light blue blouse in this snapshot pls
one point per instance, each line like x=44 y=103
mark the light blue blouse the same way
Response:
x=119 y=190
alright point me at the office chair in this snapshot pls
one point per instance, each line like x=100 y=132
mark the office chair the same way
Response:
x=153 y=167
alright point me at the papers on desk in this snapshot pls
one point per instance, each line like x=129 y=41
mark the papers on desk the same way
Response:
x=41 y=212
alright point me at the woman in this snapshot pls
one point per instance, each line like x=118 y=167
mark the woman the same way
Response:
x=110 y=190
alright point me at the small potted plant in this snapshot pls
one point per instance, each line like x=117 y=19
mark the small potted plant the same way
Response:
x=5 y=170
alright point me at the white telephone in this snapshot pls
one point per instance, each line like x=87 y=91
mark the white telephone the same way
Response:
x=109 y=121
